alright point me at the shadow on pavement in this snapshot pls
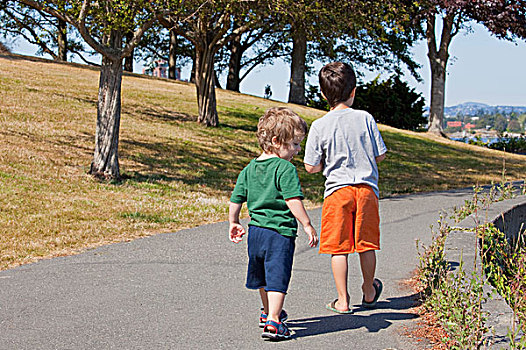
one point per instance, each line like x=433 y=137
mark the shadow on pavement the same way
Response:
x=373 y=322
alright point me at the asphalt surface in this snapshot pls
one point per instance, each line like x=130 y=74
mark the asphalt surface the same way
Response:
x=185 y=290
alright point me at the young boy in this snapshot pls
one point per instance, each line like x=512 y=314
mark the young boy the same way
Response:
x=346 y=145
x=270 y=186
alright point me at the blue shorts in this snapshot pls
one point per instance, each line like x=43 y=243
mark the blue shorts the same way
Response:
x=270 y=257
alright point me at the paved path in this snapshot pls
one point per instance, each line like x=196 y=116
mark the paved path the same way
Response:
x=186 y=291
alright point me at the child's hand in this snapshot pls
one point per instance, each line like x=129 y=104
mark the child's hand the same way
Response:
x=236 y=232
x=313 y=237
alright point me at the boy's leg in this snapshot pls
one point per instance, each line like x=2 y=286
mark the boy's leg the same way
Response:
x=367 y=235
x=275 y=305
x=368 y=266
x=279 y=256
x=264 y=299
x=340 y=272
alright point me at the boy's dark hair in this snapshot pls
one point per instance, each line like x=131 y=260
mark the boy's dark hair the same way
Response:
x=337 y=81
x=282 y=123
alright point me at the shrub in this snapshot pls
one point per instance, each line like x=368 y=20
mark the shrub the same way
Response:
x=510 y=144
x=314 y=98
x=391 y=102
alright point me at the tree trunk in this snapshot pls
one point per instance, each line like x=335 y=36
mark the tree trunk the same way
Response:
x=204 y=82
x=438 y=58
x=297 y=69
x=217 y=84
x=234 y=64
x=128 y=60
x=172 y=55
x=106 y=157
x=62 y=40
x=438 y=87
x=192 y=70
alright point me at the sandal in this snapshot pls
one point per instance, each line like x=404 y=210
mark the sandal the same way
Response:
x=378 y=287
x=283 y=316
x=332 y=307
x=276 y=331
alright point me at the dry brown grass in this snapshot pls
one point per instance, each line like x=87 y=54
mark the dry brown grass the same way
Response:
x=177 y=173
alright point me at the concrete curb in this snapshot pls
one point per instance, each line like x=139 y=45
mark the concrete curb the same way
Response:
x=460 y=245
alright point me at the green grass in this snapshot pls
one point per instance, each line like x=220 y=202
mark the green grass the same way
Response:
x=176 y=173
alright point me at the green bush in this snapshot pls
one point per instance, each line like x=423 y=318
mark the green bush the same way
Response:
x=510 y=144
x=391 y=102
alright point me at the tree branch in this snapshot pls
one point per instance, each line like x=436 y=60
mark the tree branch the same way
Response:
x=36 y=39
x=447 y=33
x=430 y=35
x=110 y=53
x=82 y=58
x=137 y=35
x=51 y=11
x=238 y=31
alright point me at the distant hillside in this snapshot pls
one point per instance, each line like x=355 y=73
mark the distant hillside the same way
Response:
x=473 y=108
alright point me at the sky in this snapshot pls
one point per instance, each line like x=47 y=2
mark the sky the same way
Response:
x=481 y=69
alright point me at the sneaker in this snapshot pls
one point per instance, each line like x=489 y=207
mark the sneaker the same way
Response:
x=283 y=316
x=276 y=331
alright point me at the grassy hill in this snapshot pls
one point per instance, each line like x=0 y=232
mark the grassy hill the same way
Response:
x=177 y=173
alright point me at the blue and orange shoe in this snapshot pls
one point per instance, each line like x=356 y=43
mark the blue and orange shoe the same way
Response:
x=276 y=331
x=283 y=316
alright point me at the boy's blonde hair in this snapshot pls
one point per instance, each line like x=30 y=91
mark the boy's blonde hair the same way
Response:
x=282 y=123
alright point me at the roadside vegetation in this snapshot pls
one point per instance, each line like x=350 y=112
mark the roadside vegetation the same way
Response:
x=453 y=301
x=176 y=173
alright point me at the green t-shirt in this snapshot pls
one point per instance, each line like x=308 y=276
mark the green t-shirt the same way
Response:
x=264 y=185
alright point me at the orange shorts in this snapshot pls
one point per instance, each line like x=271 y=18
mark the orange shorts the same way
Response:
x=350 y=221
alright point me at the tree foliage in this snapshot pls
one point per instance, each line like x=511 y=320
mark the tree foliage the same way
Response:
x=504 y=18
x=392 y=102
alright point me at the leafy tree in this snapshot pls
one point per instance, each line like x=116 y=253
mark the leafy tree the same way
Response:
x=392 y=102
x=258 y=46
x=514 y=126
x=494 y=14
x=50 y=34
x=209 y=30
x=103 y=25
x=363 y=32
x=501 y=123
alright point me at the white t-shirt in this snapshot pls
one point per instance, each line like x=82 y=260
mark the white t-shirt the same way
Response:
x=347 y=142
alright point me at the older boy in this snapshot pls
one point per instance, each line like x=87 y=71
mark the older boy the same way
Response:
x=270 y=186
x=346 y=145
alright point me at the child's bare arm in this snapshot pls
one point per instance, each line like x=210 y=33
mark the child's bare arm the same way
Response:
x=236 y=231
x=379 y=158
x=298 y=210
x=311 y=169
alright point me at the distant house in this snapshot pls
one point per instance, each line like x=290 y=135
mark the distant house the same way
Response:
x=469 y=126
x=159 y=68
x=456 y=124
